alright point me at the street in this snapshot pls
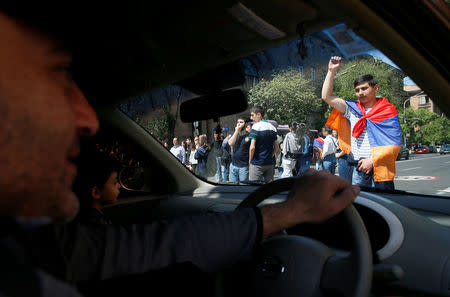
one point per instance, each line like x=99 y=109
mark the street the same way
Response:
x=424 y=173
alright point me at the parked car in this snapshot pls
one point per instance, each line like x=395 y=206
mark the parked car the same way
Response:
x=432 y=149
x=403 y=154
x=422 y=150
x=445 y=149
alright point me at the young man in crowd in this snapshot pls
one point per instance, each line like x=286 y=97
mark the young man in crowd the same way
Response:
x=373 y=138
x=240 y=142
x=263 y=147
x=44 y=114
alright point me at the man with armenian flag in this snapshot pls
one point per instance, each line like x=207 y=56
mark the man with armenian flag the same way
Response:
x=369 y=129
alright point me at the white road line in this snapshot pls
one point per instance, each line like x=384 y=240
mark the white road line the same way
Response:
x=447 y=162
x=421 y=159
x=444 y=191
x=410 y=168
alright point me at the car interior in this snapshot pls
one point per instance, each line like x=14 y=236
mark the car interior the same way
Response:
x=395 y=243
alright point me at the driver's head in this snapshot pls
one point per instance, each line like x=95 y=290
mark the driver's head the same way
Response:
x=43 y=114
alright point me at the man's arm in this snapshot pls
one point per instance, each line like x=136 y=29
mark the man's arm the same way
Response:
x=327 y=88
x=237 y=129
x=276 y=148
x=251 y=151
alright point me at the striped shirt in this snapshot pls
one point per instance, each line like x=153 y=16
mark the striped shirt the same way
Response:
x=360 y=147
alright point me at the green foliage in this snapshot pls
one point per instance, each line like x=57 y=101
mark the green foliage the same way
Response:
x=425 y=127
x=288 y=97
x=161 y=125
x=390 y=80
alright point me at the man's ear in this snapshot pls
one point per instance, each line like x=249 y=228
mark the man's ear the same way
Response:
x=376 y=87
x=95 y=192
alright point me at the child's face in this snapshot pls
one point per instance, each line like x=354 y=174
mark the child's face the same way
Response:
x=111 y=189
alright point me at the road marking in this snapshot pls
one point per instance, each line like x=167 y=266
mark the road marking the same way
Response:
x=447 y=162
x=415 y=178
x=411 y=168
x=444 y=191
x=412 y=159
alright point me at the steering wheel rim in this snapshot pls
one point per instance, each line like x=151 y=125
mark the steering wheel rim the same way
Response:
x=361 y=253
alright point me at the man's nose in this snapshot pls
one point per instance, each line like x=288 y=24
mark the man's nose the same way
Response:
x=86 y=118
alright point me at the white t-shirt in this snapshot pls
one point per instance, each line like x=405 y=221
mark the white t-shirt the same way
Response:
x=360 y=147
x=330 y=146
x=179 y=152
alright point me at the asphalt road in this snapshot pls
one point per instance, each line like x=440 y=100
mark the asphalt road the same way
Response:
x=424 y=173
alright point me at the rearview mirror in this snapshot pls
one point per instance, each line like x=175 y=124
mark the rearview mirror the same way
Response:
x=213 y=106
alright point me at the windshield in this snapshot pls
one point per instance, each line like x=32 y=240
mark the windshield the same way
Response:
x=404 y=136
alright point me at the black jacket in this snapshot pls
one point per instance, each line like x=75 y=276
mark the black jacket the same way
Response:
x=42 y=261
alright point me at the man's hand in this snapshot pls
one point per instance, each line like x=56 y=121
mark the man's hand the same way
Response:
x=239 y=127
x=365 y=165
x=334 y=64
x=314 y=198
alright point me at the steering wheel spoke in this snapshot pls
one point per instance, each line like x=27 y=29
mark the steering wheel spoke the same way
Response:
x=294 y=265
x=338 y=275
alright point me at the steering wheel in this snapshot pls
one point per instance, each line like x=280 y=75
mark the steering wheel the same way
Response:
x=291 y=265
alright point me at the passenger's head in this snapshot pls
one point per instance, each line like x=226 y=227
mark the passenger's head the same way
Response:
x=256 y=113
x=97 y=180
x=43 y=114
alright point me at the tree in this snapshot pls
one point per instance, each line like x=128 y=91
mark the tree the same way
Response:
x=425 y=127
x=390 y=79
x=287 y=96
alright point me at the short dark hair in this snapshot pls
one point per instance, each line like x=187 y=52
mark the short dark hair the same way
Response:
x=328 y=129
x=365 y=78
x=257 y=109
x=293 y=125
x=94 y=169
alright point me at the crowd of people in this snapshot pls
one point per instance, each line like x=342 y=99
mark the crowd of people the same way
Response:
x=290 y=155
x=361 y=139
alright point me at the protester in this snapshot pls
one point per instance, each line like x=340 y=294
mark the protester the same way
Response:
x=44 y=115
x=317 y=152
x=192 y=160
x=178 y=150
x=345 y=170
x=330 y=146
x=304 y=160
x=201 y=155
x=240 y=143
x=373 y=137
x=291 y=150
x=216 y=151
x=263 y=147
x=225 y=159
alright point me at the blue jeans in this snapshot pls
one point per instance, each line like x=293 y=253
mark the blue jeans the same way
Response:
x=304 y=164
x=329 y=163
x=218 y=170
x=361 y=179
x=225 y=168
x=238 y=174
x=318 y=163
x=345 y=169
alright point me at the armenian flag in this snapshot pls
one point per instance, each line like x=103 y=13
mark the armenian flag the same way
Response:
x=318 y=142
x=383 y=129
